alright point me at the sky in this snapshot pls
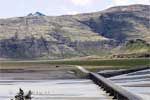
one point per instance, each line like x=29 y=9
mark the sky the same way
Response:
x=17 y=8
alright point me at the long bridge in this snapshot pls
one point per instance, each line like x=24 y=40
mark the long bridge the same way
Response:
x=111 y=89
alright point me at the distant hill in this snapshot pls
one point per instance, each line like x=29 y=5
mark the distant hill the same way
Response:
x=37 y=36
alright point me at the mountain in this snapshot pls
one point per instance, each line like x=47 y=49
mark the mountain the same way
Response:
x=103 y=33
x=36 y=14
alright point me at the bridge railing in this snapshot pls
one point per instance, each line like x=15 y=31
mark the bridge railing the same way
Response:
x=114 y=90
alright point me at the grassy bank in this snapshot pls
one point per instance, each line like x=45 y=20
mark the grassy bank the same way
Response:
x=90 y=64
x=107 y=64
x=112 y=62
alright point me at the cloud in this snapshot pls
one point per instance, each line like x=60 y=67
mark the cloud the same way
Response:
x=82 y=2
x=127 y=2
x=69 y=11
x=72 y=12
x=121 y=2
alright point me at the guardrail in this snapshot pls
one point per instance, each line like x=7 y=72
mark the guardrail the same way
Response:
x=114 y=90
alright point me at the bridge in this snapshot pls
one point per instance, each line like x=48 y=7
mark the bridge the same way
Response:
x=110 y=88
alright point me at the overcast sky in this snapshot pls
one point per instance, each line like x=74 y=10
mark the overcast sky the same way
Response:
x=14 y=8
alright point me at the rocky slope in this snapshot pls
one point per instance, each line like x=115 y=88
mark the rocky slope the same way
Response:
x=79 y=35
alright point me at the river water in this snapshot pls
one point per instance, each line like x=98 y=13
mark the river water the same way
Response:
x=53 y=89
x=136 y=82
x=44 y=86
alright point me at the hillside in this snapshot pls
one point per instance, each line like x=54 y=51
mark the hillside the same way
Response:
x=52 y=37
x=132 y=49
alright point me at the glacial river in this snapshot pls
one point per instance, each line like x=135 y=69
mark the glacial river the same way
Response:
x=76 y=89
x=45 y=87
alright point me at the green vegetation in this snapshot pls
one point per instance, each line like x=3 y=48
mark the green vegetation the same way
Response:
x=113 y=62
x=133 y=49
x=90 y=64
x=137 y=46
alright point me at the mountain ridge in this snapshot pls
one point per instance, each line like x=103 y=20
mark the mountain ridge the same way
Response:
x=52 y=37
